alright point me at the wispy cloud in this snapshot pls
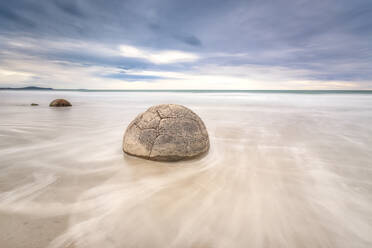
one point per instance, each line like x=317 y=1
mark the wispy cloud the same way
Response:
x=24 y=70
x=157 y=57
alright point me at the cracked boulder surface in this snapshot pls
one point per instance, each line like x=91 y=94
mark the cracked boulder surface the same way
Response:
x=166 y=132
x=60 y=103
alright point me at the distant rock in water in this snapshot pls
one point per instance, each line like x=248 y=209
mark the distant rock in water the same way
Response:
x=60 y=103
x=34 y=104
x=166 y=132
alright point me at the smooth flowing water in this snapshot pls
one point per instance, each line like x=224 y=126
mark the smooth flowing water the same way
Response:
x=284 y=170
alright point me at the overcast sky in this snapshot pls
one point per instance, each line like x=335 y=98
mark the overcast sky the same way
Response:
x=186 y=44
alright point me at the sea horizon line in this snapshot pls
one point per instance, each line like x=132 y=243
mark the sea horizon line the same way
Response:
x=309 y=91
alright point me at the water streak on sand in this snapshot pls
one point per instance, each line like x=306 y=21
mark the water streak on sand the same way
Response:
x=283 y=171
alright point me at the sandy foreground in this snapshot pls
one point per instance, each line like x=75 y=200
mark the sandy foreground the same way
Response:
x=284 y=170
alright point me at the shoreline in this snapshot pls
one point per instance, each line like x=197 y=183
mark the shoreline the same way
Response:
x=199 y=91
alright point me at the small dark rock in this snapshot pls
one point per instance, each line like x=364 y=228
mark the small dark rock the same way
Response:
x=34 y=104
x=60 y=103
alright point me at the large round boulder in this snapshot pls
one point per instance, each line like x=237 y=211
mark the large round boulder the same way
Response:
x=166 y=132
x=60 y=103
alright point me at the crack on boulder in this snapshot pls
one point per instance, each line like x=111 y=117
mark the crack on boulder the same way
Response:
x=157 y=133
x=142 y=129
x=157 y=111
x=137 y=126
x=153 y=143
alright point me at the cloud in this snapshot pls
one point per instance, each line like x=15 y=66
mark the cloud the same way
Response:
x=189 y=39
x=158 y=57
x=21 y=70
x=71 y=8
x=9 y=15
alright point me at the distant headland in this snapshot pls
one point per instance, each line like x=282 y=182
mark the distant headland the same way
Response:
x=27 y=88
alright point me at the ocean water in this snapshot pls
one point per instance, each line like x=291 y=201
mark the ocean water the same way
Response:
x=285 y=169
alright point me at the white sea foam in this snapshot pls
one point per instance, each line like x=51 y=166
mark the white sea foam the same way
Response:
x=284 y=170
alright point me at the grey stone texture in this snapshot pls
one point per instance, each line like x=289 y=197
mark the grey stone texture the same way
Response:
x=166 y=132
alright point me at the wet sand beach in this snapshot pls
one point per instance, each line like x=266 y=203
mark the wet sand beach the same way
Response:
x=283 y=170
